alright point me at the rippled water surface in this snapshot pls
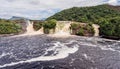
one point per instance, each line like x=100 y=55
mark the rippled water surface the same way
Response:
x=44 y=52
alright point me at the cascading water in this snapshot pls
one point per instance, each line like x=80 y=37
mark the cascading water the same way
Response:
x=62 y=29
x=29 y=28
x=96 y=29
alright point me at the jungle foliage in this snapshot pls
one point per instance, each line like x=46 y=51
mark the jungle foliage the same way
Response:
x=105 y=15
x=9 y=27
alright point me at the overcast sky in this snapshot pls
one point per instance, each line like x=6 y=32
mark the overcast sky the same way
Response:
x=38 y=9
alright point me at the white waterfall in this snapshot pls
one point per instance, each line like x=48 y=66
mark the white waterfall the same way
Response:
x=62 y=29
x=29 y=28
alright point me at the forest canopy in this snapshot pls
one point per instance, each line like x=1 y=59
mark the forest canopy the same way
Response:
x=108 y=17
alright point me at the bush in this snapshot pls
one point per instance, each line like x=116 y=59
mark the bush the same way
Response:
x=50 y=24
x=9 y=28
x=74 y=26
x=37 y=26
x=82 y=29
x=90 y=28
x=110 y=27
x=80 y=32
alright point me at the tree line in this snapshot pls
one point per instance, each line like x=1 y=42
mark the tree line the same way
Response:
x=106 y=16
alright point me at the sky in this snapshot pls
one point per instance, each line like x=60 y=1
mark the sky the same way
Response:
x=39 y=9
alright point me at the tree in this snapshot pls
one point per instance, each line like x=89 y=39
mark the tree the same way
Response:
x=37 y=25
x=50 y=24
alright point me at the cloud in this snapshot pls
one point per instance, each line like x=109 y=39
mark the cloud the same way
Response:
x=114 y=2
x=37 y=9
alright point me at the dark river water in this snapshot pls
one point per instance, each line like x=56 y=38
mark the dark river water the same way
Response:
x=44 y=52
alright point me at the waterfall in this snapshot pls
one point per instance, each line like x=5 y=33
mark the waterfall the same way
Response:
x=62 y=29
x=29 y=28
x=40 y=31
x=96 y=29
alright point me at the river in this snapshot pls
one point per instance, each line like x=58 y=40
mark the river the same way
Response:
x=46 y=52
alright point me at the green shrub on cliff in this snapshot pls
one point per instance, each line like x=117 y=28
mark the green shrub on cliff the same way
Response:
x=82 y=29
x=74 y=26
x=90 y=28
x=37 y=25
x=80 y=32
x=9 y=28
x=50 y=24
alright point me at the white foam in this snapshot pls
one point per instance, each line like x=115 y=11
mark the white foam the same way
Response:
x=3 y=54
x=86 y=56
x=101 y=47
x=118 y=41
x=105 y=48
x=60 y=49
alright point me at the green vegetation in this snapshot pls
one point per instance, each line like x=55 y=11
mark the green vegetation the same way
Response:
x=17 y=26
x=37 y=25
x=48 y=25
x=80 y=32
x=74 y=27
x=82 y=29
x=111 y=27
x=7 y=27
x=106 y=16
x=90 y=28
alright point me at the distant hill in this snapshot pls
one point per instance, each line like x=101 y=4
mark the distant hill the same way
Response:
x=18 y=18
x=117 y=8
x=87 y=14
x=107 y=16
